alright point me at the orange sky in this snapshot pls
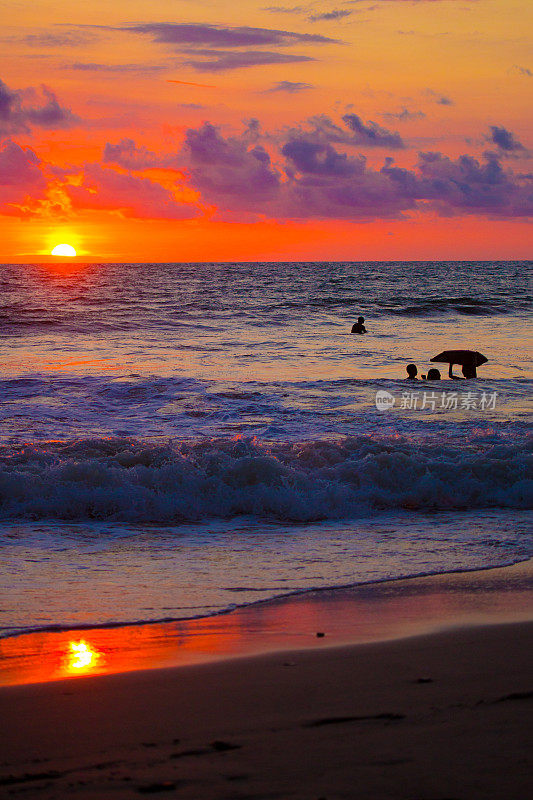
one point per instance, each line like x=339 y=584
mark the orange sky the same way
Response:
x=104 y=141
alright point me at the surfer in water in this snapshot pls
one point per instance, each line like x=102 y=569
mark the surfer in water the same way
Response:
x=358 y=327
x=469 y=371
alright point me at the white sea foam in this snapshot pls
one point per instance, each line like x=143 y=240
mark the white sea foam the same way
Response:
x=130 y=480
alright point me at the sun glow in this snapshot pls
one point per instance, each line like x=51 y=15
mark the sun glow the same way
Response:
x=81 y=657
x=63 y=250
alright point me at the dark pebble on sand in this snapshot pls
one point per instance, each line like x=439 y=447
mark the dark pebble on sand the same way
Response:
x=320 y=635
x=221 y=747
x=153 y=788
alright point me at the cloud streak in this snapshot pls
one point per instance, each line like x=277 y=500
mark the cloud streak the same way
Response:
x=327 y=16
x=123 y=69
x=290 y=87
x=218 y=48
x=206 y=35
x=223 y=60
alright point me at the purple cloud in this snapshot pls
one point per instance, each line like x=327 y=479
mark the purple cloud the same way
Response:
x=216 y=48
x=405 y=115
x=371 y=134
x=206 y=35
x=322 y=182
x=229 y=172
x=223 y=60
x=473 y=186
x=504 y=139
x=437 y=97
x=20 y=110
x=291 y=87
x=337 y=13
x=322 y=129
x=286 y=9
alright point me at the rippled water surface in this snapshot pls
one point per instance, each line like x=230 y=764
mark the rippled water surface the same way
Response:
x=179 y=438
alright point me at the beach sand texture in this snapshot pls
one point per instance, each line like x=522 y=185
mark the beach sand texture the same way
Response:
x=433 y=717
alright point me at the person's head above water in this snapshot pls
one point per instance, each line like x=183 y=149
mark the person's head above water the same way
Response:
x=433 y=374
x=412 y=371
x=469 y=371
x=360 y=320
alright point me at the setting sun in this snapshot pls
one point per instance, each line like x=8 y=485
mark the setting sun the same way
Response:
x=63 y=250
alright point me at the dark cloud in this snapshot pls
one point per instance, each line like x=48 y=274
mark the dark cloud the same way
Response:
x=223 y=60
x=504 y=139
x=371 y=134
x=291 y=87
x=322 y=182
x=21 y=110
x=327 y=184
x=322 y=129
x=337 y=13
x=230 y=172
x=405 y=115
x=205 y=35
x=469 y=185
x=437 y=97
x=313 y=158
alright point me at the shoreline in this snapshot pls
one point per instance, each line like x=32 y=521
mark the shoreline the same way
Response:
x=377 y=611
x=441 y=715
x=287 y=596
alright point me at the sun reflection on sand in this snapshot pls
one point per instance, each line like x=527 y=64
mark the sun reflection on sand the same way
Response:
x=363 y=614
x=81 y=658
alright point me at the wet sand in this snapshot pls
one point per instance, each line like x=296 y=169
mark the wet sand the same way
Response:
x=375 y=612
x=426 y=718
x=423 y=716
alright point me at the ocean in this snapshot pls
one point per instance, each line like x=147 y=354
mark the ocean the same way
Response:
x=178 y=440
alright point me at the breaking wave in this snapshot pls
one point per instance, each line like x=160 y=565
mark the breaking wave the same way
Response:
x=132 y=481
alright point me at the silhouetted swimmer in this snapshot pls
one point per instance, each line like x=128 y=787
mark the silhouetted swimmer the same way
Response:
x=469 y=371
x=433 y=374
x=412 y=372
x=358 y=326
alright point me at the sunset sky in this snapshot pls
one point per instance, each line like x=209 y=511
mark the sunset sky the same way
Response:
x=187 y=130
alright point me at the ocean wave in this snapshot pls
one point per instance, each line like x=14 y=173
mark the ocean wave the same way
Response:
x=132 y=481
x=468 y=306
x=410 y=306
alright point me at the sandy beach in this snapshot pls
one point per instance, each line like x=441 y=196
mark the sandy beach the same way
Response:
x=424 y=717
